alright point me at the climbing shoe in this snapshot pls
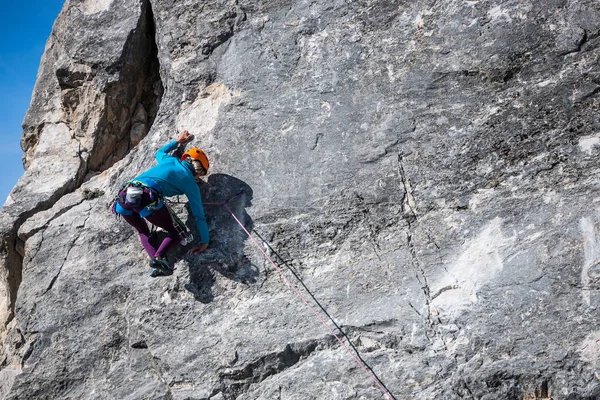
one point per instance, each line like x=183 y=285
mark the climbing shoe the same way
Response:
x=161 y=266
x=155 y=272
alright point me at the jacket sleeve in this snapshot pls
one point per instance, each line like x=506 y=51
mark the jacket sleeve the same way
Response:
x=193 y=195
x=163 y=152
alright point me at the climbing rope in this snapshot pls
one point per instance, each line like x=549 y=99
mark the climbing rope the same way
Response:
x=356 y=355
x=322 y=309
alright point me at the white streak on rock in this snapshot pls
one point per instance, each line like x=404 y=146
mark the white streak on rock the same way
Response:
x=56 y=159
x=477 y=265
x=589 y=349
x=201 y=116
x=9 y=200
x=547 y=82
x=89 y=7
x=587 y=143
x=166 y=298
x=498 y=12
x=591 y=251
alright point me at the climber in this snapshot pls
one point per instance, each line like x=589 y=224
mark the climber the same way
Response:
x=143 y=198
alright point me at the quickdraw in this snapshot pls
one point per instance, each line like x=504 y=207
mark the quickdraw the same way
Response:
x=182 y=229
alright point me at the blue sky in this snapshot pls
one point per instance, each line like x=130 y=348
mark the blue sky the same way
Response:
x=25 y=25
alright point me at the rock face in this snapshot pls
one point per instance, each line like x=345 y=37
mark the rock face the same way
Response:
x=428 y=169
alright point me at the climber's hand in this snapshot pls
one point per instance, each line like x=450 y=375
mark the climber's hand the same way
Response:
x=197 y=249
x=184 y=137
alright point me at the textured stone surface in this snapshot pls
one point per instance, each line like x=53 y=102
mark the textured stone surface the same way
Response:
x=428 y=168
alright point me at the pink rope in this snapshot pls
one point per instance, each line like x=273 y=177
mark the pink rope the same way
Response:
x=185 y=202
x=295 y=289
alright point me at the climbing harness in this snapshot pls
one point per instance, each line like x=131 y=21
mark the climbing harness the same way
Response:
x=130 y=195
x=356 y=355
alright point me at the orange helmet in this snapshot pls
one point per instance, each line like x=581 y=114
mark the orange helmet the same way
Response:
x=197 y=154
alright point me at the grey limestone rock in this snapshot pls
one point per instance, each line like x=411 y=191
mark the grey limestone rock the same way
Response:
x=428 y=169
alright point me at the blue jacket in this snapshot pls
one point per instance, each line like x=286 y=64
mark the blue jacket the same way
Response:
x=172 y=177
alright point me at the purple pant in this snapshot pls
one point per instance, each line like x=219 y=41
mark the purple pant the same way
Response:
x=161 y=218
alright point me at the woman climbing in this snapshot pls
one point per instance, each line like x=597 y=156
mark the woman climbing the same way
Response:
x=142 y=199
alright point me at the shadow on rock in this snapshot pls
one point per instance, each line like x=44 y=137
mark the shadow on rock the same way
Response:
x=225 y=255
